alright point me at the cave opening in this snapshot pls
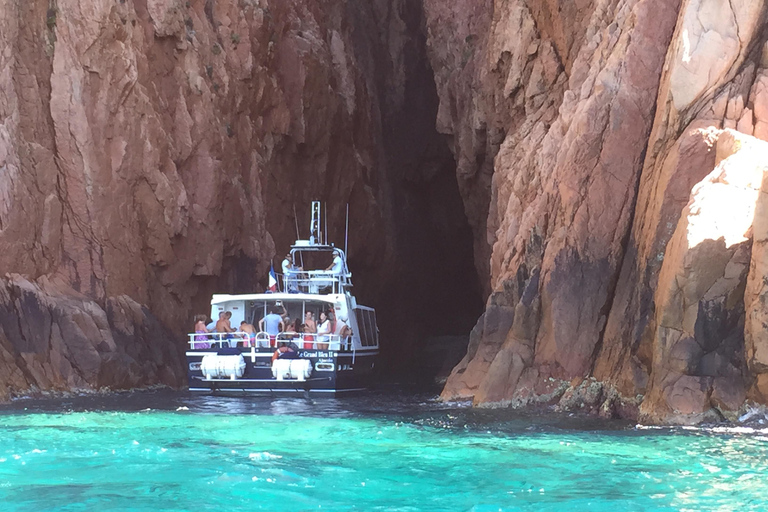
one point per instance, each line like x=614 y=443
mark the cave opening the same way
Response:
x=431 y=297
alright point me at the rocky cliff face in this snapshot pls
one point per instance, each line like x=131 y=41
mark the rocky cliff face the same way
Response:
x=153 y=152
x=620 y=221
x=595 y=166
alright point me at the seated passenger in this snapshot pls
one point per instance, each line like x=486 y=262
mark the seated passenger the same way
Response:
x=284 y=351
x=337 y=267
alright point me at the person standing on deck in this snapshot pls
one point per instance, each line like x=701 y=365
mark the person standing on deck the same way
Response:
x=290 y=273
x=342 y=329
x=272 y=324
x=323 y=331
x=201 y=332
x=223 y=324
x=309 y=322
x=250 y=330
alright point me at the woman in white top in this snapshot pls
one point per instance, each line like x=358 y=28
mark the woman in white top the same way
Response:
x=323 y=330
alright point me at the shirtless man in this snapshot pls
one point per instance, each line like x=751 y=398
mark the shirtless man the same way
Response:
x=250 y=330
x=309 y=322
x=223 y=324
x=246 y=327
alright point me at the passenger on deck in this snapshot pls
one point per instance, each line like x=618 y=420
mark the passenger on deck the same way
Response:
x=251 y=330
x=337 y=267
x=342 y=329
x=309 y=322
x=223 y=324
x=291 y=332
x=201 y=332
x=290 y=274
x=272 y=324
x=323 y=330
x=284 y=351
x=309 y=336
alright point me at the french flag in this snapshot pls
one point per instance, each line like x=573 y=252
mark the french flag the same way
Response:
x=272 y=279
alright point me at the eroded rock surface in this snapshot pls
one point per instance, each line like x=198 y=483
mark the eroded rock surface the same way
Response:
x=55 y=339
x=152 y=152
x=145 y=146
x=589 y=187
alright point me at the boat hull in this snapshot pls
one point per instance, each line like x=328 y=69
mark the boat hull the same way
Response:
x=332 y=373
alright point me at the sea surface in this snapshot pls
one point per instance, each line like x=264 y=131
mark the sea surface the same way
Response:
x=385 y=450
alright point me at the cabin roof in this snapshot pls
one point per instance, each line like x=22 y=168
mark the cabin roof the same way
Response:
x=330 y=298
x=306 y=245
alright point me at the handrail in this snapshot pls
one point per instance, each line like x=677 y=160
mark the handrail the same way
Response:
x=262 y=339
x=208 y=339
x=312 y=281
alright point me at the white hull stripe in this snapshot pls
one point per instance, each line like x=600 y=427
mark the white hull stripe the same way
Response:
x=279 y=390
x=269 y=354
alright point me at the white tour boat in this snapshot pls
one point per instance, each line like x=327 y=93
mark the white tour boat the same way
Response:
x=328 y=363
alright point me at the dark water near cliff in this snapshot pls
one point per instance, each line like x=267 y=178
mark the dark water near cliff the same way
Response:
x=381 y=451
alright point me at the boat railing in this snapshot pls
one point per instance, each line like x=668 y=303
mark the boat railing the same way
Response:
x=307 y=341
x=216 y=339
x=314 y=341
x=316 y=281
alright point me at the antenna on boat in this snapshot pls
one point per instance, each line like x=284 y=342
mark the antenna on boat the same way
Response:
x=346 y=232
x=298 y=236
x=296 y=221
x=325 y=223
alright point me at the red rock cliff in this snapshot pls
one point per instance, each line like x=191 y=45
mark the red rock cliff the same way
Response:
x=600 y=162
x=146 y=145
x=609 y=257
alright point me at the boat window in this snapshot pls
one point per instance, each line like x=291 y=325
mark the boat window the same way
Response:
x=366 y=322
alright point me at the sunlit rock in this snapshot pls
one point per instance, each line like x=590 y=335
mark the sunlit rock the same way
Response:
x=698 y=345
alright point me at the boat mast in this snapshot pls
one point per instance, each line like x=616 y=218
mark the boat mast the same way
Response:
x=298 y=236
x=314 y=224
x=346 y=233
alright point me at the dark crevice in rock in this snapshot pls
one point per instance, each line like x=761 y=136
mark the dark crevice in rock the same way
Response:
x=626 y=246
x=433 y=287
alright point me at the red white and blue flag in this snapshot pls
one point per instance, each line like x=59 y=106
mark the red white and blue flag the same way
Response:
x=272 y=286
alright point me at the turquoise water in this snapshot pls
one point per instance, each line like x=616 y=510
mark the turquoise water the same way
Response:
x=375 y=453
